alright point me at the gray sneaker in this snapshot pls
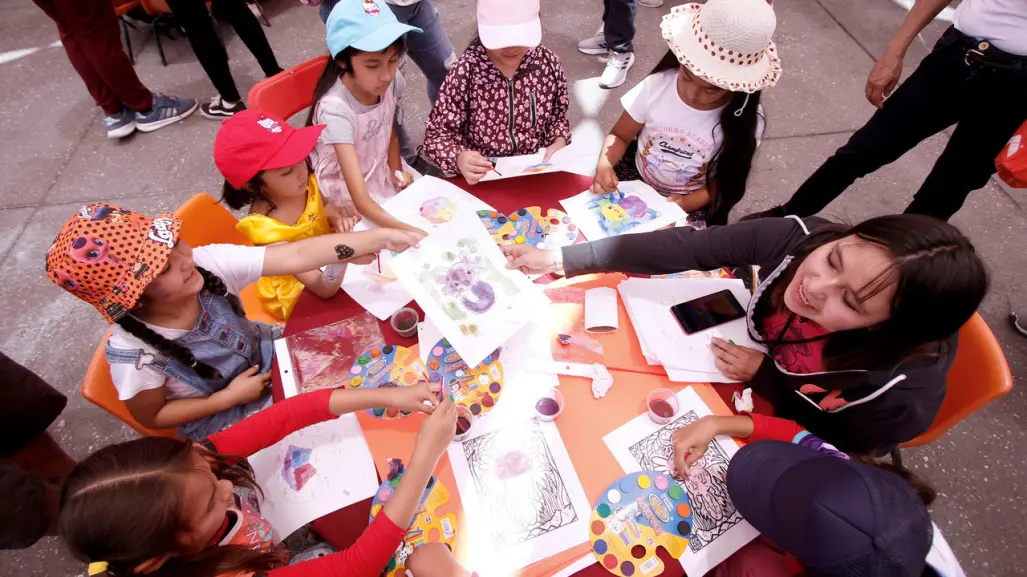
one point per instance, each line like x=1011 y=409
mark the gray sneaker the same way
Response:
x=166 y=110
x=119 y=125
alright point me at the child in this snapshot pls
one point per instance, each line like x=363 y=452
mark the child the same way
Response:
x=166 y=507
x=505 y=96
x=356 y=159
x=861 y=322
x=264 y=162
x=181 y=350
x=691 y=127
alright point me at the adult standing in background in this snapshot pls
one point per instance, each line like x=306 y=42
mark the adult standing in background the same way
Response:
x=975 y=78
x=614 y=39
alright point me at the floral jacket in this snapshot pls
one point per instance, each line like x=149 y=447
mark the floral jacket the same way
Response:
x=480 y=109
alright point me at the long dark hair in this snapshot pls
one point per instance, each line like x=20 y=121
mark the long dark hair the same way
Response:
x=939 y=278
x=728 y=169
x=336 y=67
x=213 y=284
x=123 y=505
x=252 y=191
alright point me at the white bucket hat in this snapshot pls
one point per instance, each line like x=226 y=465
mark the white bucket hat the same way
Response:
x=726 y=42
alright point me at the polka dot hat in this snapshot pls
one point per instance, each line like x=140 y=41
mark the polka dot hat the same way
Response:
x=107 y=255
x=726 y=42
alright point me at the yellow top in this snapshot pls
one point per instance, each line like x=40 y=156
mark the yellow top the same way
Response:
x=280 y=293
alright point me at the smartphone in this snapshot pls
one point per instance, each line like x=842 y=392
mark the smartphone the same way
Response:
x=708 y=311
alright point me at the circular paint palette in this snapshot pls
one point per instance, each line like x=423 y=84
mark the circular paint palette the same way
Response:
x=635 y=515
x=429 y=525
x=476 y=388
x=388 y=366
x=529 y=226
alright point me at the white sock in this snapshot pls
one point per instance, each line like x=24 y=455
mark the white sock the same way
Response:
x=228 y=104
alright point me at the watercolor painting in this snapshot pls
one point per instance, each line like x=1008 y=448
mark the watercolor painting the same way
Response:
x=619 y=212
x=464 y=282
x=322 y=357
x=438 y=210
x=537 y=168
x=297 y=469
x=634 y=207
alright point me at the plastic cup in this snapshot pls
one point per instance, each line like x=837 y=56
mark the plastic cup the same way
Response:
x=464 y=422
x=404 y=322
x=661 y=406
x=549 y=405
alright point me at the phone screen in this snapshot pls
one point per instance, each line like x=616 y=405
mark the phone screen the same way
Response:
x=708 y=311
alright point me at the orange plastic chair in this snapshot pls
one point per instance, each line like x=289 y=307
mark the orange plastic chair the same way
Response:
x=289 y=91
x=204 y=221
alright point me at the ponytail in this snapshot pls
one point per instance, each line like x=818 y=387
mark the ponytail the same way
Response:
x=239 y=198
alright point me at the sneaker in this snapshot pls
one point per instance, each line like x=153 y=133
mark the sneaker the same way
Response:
x=1018 y=323
x=216 y=109
x=594 y=45
x=616 y=71
x=166 y=110
x=650 y=3
x=120 y=125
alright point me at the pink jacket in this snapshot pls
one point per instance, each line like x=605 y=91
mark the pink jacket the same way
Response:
x=480 y=109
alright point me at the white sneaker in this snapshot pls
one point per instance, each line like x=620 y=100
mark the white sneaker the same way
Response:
x=650 y=3
x=595 y=44
x=616 y=71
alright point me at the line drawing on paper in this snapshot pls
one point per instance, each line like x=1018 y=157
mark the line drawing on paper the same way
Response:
x=464 y=282
x=519 y=486
x=713 y=513
x=618 y=212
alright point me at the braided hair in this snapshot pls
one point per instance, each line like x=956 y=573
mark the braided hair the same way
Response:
x=137 y=328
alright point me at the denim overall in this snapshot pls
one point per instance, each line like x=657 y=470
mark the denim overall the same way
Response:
x=229 y=343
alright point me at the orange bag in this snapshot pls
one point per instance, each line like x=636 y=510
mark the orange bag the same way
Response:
x=1011 y=163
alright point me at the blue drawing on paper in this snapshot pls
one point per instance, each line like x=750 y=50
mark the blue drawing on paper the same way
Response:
x=618 y=212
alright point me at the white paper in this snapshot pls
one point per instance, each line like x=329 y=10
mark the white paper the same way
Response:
x=635 y=207
x=571 y=158
x=718 y=529
x=460 y=279
x=289 y=386
x=375 y=287
x=428 y=335
x=601 y=310
x=521 y=497
x=336 y=470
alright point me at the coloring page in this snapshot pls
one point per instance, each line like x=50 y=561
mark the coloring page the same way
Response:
x=313 y=472
x=634 y=207
x=718 y=530
x=520 y=494
x=459 y=277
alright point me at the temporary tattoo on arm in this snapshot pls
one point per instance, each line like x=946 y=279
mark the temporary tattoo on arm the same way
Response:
x=344 y=252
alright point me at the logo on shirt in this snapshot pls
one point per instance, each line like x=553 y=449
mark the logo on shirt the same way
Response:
x=370 y=8
x=270 y=125
x=160 y=231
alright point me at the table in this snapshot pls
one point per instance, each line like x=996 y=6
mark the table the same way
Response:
x=582 y=433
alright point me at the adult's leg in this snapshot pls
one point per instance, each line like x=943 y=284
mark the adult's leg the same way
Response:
x=199 y=28
x=92 y=40
x=431 y=50
x=619 y=24
x=997 y=107
x=246 y=25
x=923 y=105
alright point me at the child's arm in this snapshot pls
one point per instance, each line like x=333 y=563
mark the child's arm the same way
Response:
x=313 y=253
x=365 y=205
x=616 y=143
x=444 y=134
x=692 y=201
x=319 y=283
x=558 y=127
x=154 y=410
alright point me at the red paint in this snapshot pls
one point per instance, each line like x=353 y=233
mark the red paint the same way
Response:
x=661 y=408
x=462 y=425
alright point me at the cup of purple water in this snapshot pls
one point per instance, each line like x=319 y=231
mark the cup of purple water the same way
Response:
x=404 y=322
x=549 y=406
x=661 y=405
x=463 y=423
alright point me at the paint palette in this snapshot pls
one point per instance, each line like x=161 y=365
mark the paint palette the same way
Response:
x=429 y=526
x=529 y=226
x=635 y=515
x=476 y=388
x=388 y=366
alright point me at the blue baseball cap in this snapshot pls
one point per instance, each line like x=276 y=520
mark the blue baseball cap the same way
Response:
x=367 y=25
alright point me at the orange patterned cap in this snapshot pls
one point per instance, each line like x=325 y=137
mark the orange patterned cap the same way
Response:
x=107 y=255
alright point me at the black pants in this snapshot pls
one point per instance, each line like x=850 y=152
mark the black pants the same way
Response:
x=986 y=104
x=619 y=24
x=192 y=15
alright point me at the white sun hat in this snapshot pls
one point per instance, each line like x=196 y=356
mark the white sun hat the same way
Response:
x=726 y=42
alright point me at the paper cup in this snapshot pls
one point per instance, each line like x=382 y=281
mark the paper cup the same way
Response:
x=404 y=322
x=549 y=405
x=661 y=406
x=464 y=422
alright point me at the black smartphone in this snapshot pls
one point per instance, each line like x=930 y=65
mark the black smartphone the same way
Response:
x=708 y=311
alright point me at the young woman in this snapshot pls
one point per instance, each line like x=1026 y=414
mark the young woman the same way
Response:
x=357 y=158
x=264 y=162
x=505 y=96
x=170 y=508
x=182 y=352
x=861 y=322
x=691 y=127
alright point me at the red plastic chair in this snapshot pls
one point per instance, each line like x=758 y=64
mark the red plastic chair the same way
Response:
x=289 y=91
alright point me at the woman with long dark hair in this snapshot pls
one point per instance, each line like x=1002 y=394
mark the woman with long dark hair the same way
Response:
x=691 y=127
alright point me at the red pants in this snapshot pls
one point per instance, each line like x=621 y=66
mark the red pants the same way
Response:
x=89 y=31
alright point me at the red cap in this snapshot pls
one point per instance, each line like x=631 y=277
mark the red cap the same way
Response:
x=251 y=141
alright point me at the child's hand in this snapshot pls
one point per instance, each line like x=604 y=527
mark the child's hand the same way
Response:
x=605 y=179
x=401 y=179
x=364 y=259
x=248 y=386
x=398 y=240
x=473 y=166
x=557 y=144
x=735 y=361
x=690 y=443
x=413 y=398
x=436 y=432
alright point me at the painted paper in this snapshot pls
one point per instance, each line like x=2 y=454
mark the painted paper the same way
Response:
x=634 y=207
x=321 y=358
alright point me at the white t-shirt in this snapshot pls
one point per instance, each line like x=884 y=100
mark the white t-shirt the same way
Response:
x=1001 y=22
x=677 y=141
x=238 y=266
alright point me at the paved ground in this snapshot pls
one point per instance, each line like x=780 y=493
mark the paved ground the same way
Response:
x=55 y=158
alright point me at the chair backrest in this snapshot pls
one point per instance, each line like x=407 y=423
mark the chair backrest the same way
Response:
x=979 y=375
x=289 y=91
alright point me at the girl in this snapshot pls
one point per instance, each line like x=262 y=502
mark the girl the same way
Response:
x=690 y=129
x=861 y=322
x=181 y=351
x=264 y=162
x=505 y=96
x=168 y=508
x=357 y=159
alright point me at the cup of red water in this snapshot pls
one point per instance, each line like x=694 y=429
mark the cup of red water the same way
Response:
x=404 y=322
x=549 y=406
x=661 y=405
x=463 y=423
